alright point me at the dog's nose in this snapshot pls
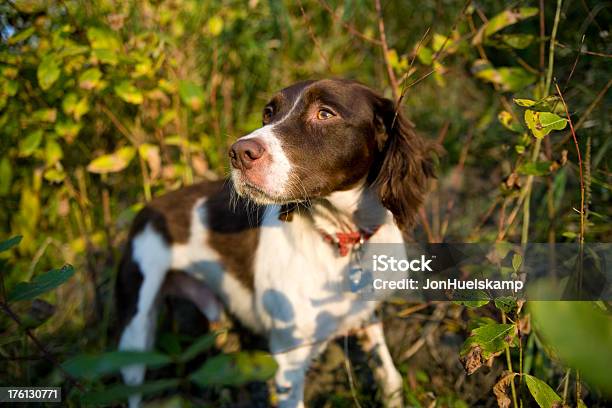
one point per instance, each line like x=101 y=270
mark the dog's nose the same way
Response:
x=244 y=152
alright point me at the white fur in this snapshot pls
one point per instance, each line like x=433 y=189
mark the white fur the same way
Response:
x=153 y=257
x=279 y=170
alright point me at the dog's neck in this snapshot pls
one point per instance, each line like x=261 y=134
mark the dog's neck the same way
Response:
x=357 y=209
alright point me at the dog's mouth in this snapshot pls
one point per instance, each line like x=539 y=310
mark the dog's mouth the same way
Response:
x=255 y=193
x=260 y=195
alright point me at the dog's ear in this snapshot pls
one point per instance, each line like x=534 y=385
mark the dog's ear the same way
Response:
x=404 y=164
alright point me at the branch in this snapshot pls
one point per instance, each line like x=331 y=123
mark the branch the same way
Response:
x=385 y=49
x=312 y=36
x=5 y=307
x=551 y=49
x=569 y=119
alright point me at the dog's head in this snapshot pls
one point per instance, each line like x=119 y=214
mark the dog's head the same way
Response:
x=323 y=136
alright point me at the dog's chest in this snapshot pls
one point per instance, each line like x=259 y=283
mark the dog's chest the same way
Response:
x=302 y=286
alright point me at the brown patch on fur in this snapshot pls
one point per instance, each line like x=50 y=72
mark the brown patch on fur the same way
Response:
x=234 y=233
x=170 y=215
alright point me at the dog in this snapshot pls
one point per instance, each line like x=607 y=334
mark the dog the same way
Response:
x=334 y=167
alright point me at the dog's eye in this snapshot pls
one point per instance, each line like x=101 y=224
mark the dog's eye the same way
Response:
x=325 y=114
x=267 y=114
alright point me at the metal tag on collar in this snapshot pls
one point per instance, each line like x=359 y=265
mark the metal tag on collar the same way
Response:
x=356 y=273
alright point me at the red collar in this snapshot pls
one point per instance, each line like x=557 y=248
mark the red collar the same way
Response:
x=345 y=241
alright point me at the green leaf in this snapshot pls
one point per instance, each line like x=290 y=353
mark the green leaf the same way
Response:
x=425 y=55
x=6 y=176
x=114 y=162
x=486 y=342
x=102 y=38
x=11 y=87
x=439 y=40
x=48 y=72
x=541 y=392
x=506 y=304
x=525 y=102
x=542 y=123
x=550 y=103
x=68 y=130
x=9 y=243
x=235 y=369
x=510 y=79
x=201 y=345
x=54 y=175
x=492 y=339
x=90 y=79
x=129 y=93
x=30 y=6
x=21 y=36
x=517 y=261
x=503 y=20
x=553 y=121
x=191 y=94
x=92 y=366
x=215 y=25
x=580 y=334
x=516 y=41
x=471 y=298
x=472 y=303
x=120 y=392
x=31 y=142
x=105 y=56
x=72 y=49
x=53 y=152
x=41 y=284
x=45 y=115
x=534 y=169
x=74 y=106
x=508 y=121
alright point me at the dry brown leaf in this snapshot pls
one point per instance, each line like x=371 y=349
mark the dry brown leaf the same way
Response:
x=524 y=324
x=472 y=360
x=501 y=389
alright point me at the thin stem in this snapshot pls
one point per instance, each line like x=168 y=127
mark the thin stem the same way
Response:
x=536 y=148
x=569 y=119
x=385 y=49
x=311 y=33
x=146 y=181
x=578 y=387
x=528 y=189
x=566 y=385
x=551 y=49
x=542 y=43
x=509 y=364
x=9 y=312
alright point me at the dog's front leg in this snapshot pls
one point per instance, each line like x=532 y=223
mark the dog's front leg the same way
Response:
x=290 y=375
x=373 y=343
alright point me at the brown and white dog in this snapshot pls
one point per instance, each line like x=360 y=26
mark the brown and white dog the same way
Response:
x=333 y=166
